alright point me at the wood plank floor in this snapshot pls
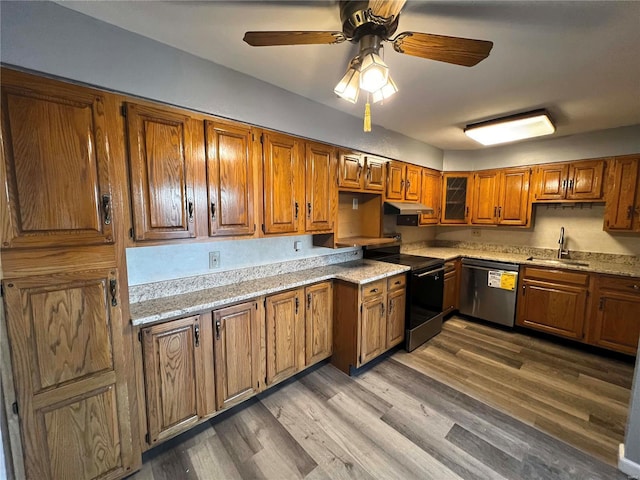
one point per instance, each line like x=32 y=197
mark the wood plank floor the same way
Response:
x=472 y=403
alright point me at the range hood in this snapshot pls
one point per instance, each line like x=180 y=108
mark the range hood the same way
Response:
x=406 y=208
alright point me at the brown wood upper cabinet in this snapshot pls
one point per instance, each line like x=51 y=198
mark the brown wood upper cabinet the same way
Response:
x=162 y=181
x=431 y=195
x=622 y=210
x=501 y=197
x=403 y=181
x=360 y=172
x=57 y=164
x=320 y=190
x=572 y=181
x=239 y=365
x=70 y=374
x=456 y=198
x=230 y=178
x=179 y=377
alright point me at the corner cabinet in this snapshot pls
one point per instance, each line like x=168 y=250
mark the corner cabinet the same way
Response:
x=162 y=176
x=622 y=209
x=456 y=198
x=178 y=366
x=67 y=351
x=368 y=320
x=57 y=163
x=230 y=178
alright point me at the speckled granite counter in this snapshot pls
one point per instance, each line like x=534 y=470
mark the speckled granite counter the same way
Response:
x=166 y=308
x=597 y=262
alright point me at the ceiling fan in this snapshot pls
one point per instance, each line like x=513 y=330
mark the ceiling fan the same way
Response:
x=370 y=23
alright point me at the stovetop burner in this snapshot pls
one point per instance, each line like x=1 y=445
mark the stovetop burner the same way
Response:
x=391 y=254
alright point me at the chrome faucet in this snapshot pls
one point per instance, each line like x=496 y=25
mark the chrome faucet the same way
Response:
x=561 y=251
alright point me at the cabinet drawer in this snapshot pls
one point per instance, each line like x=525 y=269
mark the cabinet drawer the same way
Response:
x=373 y=289
x=624 y=284
x=397 y=282
x=555 y=275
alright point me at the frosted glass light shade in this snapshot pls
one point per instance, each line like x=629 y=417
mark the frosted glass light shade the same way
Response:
x=511 y=129
x=348 y=87
x=373 y=73
x=385 y=92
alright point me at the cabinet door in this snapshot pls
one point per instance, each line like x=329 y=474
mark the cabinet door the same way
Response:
x=485 y=198
x=285 y=335
x=230 y=179
x=281 y=165
x=396 y=172
x=320 y=187
x=56 y=159
x=237 y=352
x=455 y=198
x=413 y=183
x=374 y=174
x=431 y=187
x=553 y=308
x=450 y=294
x=176 y=372
x=616 y=322
x=319 y=322
x=396 y=303
x=350 y=170
x=373 y=333
x=513 y=199
x=585 y=180
x=161 y=173
x=622 y=194
x=551 y=182
x=69 y=368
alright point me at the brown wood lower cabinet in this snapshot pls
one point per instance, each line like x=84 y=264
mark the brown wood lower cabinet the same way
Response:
x=451 y=295
x=178 y=365
x=616 y=314
x=368 y=320
x=597 y=309
x=69 y=367
x=318 y=322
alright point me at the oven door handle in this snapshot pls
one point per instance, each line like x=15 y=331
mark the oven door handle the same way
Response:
x=430 y=272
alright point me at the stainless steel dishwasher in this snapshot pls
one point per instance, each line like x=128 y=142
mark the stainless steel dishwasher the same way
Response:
x=488 y=290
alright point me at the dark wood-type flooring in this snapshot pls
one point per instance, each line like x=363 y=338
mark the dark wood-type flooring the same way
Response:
x=472 y=403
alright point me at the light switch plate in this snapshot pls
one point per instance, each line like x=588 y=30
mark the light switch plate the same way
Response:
x=355 y=204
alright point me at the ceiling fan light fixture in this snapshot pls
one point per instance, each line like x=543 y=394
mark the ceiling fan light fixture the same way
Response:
x=510 y=129
x=386 y=91
x=373 y=72
x=348 y=86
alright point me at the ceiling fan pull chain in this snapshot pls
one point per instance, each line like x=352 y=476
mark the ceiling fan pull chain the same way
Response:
x=367 y=116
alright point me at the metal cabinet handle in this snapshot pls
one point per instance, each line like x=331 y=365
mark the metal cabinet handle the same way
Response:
x=499 y=212
x=308 y=300
x=564 y=184
x=368 y=173
x=359 y=171
x=213 y=210
x=297 y=210
x=397 y=282
x=190 y=209
x=106 y=208
x=408 y=184
x=630 y=212
x=634 y=287
x=382 y=309
x=571 y=184
x=309 y=209
x=391 y=302
x=374 y=290
x=113 y=290
x=466 y=212
x=218 y=329
x=196 y=334
x=297 y=304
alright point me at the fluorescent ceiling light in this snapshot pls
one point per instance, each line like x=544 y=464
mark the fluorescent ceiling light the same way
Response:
x=510 y=129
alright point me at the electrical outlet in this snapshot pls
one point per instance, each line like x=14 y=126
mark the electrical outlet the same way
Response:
x=297 y=245
x=475 y=232
x=214 y=260
x=355 y=204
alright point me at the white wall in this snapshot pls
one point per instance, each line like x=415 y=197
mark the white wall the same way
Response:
x=583 y=231
x=49 y=38
x=603 y=143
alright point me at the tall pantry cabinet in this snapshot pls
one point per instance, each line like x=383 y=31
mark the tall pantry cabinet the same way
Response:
x=64 y=296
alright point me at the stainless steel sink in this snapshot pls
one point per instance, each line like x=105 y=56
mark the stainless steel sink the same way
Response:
x=559 y=261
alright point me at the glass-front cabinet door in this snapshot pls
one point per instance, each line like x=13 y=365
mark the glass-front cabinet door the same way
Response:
x=455 y=198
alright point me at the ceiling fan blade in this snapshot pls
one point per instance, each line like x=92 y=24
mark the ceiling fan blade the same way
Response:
x=386 y=8
x=456 y=50
x=265 y=39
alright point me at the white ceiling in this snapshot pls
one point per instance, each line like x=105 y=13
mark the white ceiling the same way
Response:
x=578 y=59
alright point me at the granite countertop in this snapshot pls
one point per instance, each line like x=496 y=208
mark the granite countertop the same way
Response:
x=595 y=263
x=166 y=308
